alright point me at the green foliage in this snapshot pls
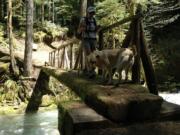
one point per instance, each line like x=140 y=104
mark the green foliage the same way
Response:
x=10 y=85
x=9 y=91
x=38 y=36
x=53 y=30
x=63 y=93
x=110 y=11
x=68 y=8
x=169 y=50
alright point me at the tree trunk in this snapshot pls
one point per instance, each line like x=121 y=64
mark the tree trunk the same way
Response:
x=29 y=38
x=53 y=11
x=83 y=8
x=83 y=13
x=35 y=11
x=10 y=36
x=49 y=10
x=90 y=3
x=42 y=12
x=1 y=10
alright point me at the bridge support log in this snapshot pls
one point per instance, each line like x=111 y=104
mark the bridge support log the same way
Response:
x=124 y=103
x=41 y=88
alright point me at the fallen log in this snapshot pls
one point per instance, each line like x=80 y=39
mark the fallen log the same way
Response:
x=128 y=102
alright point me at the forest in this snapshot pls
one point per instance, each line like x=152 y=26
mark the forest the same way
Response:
x=42 y=62
x=32 y=30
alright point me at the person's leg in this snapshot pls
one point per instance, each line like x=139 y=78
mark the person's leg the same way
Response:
x=92 y=43
x=86 y=46
x=87 y=51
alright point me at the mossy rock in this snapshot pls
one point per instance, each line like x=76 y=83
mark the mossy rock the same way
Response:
x=7 y=110
x=47 y=100
x=4 y=67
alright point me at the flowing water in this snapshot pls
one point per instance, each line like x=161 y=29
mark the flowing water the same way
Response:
x=41 y=123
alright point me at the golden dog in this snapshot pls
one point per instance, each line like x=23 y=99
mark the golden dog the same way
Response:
x=107 y=60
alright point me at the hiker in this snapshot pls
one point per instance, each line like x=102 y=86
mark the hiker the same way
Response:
x=88 y=30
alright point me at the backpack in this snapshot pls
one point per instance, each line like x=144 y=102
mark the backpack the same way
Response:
x=79 y=35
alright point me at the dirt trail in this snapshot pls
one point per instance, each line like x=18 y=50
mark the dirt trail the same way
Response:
x=39 y=56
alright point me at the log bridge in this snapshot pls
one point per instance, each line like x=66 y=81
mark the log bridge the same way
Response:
x=107 y=109
x=129 y=109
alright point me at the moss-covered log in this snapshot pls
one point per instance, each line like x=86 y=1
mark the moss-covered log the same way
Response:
x=75 y=117
x=126 y=102
x=4 y=67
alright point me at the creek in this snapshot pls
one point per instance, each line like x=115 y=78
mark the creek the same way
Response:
x=41 y=123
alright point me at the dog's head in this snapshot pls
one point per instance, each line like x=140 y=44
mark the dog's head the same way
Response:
x=93 y=58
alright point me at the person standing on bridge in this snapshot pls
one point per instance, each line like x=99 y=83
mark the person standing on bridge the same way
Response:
x=88 y=29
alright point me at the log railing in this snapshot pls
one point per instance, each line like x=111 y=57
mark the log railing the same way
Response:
x=65 y=56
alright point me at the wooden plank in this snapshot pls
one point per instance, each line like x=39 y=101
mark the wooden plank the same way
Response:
x=124 y=103
x=72 y=41
x=148 y=128
x=77 y=63
x=169 y=111
x=75 y=117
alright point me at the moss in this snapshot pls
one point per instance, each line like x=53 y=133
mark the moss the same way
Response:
x=4 y=67
x=47 y=100
x=7 y=110
x=63 y=107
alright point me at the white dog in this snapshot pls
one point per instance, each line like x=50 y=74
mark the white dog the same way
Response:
x=107 y=60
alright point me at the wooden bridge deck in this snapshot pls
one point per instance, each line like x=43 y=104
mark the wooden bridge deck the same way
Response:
x=123 y=103
x=76 y=118
x=128 y=109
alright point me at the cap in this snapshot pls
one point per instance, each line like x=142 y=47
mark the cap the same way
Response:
x=91 y=9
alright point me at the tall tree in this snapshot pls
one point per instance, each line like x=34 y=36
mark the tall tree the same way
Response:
x=53 y=11
x=10 y=36
x=83 y=7
x=1 y=10
x=29 y=38
x=90 y=3
x=49 y=10
x=42 y=11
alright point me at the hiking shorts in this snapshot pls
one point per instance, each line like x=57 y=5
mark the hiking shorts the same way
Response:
x=89 y=45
